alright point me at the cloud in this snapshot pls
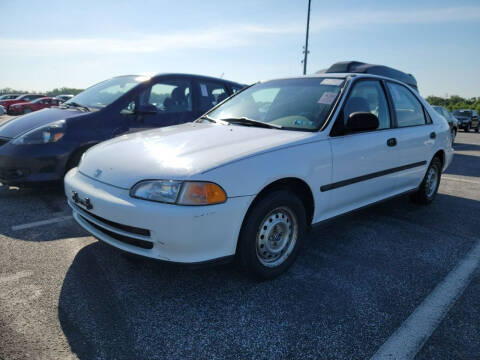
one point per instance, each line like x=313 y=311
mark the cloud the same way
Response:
x=231 y=35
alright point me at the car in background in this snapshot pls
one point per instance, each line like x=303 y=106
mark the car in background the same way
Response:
x=2 y=110
x=19 y=99
x=452 y=120
x=249 y=177
x=467 y=119
x=64 y=97
x=38 y=104
x=9 y=96
x=43 y=145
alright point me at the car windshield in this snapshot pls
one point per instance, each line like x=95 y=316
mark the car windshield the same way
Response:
x=106 y=92
x=291 y=104
x=462 y=113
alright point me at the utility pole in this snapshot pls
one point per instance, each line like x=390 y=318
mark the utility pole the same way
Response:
x=305 y=48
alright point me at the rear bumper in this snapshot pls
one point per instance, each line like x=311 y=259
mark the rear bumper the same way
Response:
x=180 y=234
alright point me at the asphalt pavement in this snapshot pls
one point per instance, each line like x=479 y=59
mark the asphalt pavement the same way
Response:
x=360 y=278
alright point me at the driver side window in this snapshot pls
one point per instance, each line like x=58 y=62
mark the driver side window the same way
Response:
x=366 y=96
x=172 y=96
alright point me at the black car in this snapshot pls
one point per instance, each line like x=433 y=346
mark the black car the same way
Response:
x=452 y=120
x=42 y=146
x=467 y=119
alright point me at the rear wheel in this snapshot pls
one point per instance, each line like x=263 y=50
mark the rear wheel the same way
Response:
x=272 y=234
x=429 y=186
x=27 y=110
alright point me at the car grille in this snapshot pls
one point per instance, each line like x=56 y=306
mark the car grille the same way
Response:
x=131 y=240
x=125 y=239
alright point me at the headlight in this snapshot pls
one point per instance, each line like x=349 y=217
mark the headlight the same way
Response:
x=43 y=135
x=179 y=192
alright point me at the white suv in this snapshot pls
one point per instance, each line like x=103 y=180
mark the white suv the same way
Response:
x=249 y=177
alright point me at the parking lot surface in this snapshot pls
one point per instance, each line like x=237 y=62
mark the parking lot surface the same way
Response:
x=65 y=295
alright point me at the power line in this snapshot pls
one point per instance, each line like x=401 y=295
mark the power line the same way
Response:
x=305 y=48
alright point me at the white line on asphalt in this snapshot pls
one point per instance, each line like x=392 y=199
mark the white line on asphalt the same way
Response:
x=410 y=337
x=446 y=177
x=41 y=223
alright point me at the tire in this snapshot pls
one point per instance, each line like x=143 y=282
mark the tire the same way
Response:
x=454 y=135
x=272 y=234
x=477 y=128
x=27 y=110
x=467 y=128
x=429 y=186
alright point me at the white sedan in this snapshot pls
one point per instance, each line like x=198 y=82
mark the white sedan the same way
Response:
x=251 y=176
x=2 y=110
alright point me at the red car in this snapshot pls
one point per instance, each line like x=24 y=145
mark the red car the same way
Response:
x=20 y=99
x=27 y=107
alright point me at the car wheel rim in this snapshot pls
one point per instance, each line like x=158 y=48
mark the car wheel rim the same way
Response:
x=276 y=237
x=432 y=181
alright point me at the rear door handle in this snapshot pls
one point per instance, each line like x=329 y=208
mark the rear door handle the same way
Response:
x=392 y=142
x=433 y=135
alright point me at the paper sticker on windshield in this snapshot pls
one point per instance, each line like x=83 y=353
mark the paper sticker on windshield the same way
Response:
x=204 y=90
x=335 y=82
x=327 y=98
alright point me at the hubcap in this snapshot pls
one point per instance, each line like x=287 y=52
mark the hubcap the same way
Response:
x=431 y=181
x=276 y=237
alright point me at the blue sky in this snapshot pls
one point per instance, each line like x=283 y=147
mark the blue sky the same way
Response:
x=64 y=43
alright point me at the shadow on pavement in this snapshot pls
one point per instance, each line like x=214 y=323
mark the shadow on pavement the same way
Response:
x=464 y=165
x=360 y=274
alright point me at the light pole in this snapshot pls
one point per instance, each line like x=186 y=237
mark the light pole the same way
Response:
x=305 y=48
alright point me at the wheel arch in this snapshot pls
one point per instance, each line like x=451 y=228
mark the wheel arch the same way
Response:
x=293 y=184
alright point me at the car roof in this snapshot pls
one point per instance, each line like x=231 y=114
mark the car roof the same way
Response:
x=184 y=75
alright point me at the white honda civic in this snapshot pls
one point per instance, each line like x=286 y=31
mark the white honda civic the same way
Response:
x=250 y=177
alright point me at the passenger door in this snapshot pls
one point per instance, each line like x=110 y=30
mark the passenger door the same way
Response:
x=415 y=135
x=364 y=163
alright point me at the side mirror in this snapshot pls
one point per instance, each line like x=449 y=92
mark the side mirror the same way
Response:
x=147 y=109
x=362 y=121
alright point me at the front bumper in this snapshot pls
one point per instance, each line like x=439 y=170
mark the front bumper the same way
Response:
x=182 y=234
x=28 y=164
x=12 y=110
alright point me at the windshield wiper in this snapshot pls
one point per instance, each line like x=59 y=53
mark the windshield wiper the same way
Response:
x=251 y=122
x=74 y=104
x=206 y=117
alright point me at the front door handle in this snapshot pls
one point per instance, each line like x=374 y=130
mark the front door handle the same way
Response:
x=433 y=135
x=392 y=142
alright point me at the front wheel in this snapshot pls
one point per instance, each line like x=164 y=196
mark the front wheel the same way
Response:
x=454 y=135
x=272 y=234
x=429 y=186
x=477 y=128
x=467 y=128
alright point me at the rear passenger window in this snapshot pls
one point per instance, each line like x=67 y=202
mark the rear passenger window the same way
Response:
x=408 y=110
x=211 y=94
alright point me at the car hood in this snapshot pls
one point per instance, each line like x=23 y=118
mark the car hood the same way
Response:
x=179 y=152
x=462 y=118
x=21 y=124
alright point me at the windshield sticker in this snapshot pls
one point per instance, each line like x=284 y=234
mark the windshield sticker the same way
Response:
x=327 y=98
x=204 y=90
x=335 y=82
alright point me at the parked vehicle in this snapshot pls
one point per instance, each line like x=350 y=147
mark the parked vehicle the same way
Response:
x=467 y=119
x=250 y=176
x=42 y=146
x=2 y=110
x=64 y=97
x=19 y=99
x=452 y=120
x=38 y=104
x=9 y=96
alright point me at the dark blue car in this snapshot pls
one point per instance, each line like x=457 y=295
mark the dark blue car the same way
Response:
x=44 y=145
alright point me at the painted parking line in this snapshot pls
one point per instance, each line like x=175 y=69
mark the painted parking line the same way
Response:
x=453 y=178
x=42 y=222
x=410 y=337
